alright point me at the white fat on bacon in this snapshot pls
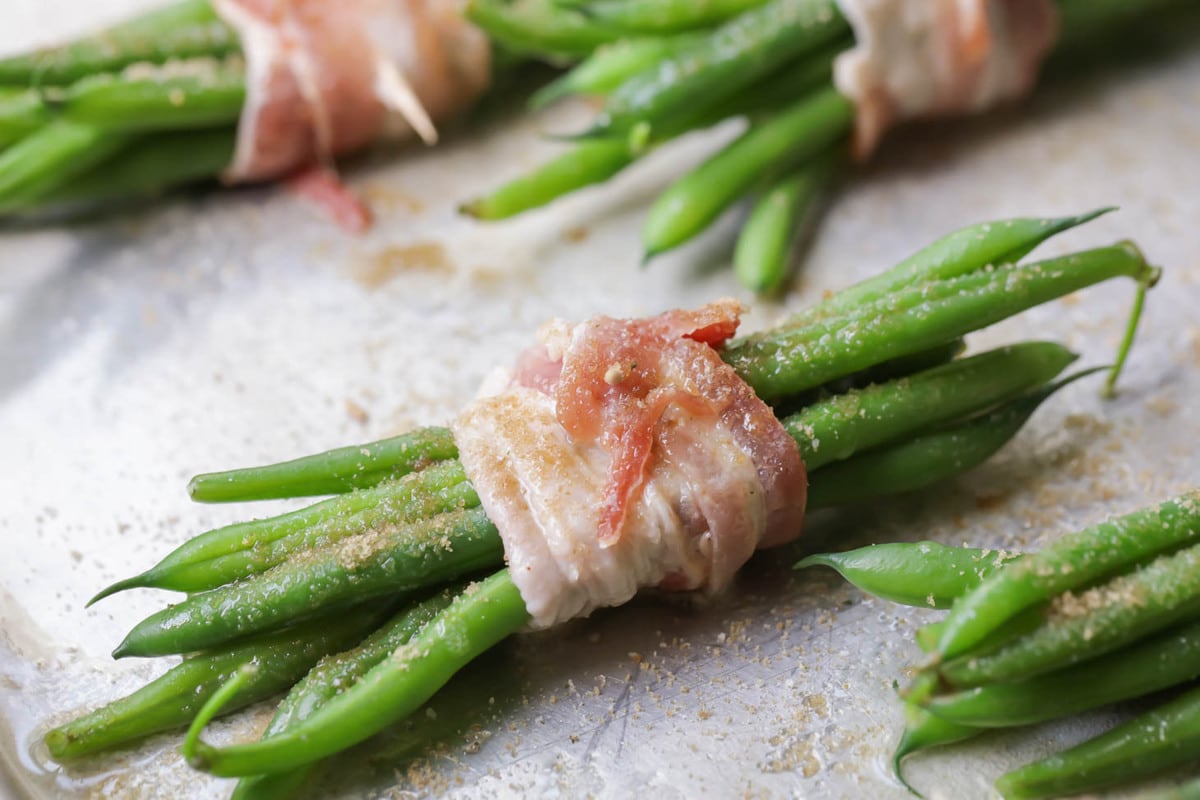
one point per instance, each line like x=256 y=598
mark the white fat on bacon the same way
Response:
x=624 y=454
x=326 y=78
x=918 y=58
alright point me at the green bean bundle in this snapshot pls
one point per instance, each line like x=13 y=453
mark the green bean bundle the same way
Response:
x=1108 y=614
x=891 y=409
x=683 y=66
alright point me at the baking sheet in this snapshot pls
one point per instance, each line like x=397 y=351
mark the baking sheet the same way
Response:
x=222 y=330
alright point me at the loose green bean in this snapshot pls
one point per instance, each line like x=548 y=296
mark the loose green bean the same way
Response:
x=926 y=574
x=840 y=426
x=340 y=470
x=387 y=561
x=1163 y=738
x=1160 y=662
x=1099 y=620
x=791 y=137
x=1077 y=559
x=482 y=615
x=779 y=219
x=172 y=700
x=333 y=675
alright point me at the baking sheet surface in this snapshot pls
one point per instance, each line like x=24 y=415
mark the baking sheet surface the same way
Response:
x=222 y=330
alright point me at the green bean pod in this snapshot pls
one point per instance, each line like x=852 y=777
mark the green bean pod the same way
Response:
x=248 y=548
x=340 y=470
x=387 y=561
x=1163 y=738
x=840 y=426
x=783 y=362
x=609 y=66
x=1080 y=627
x=173 y=699
x=791 y=137
x=779 y=219
x=187 y=29
x=333 y=675
x=49 y=158
x=539 y=27
x=1074 y=560
x=1160 y=662
x=664 y=16
x=735 y=56
x=484 y=614
x=925 y=574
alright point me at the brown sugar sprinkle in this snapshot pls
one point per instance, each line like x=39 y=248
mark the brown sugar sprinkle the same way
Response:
x=1121 y=591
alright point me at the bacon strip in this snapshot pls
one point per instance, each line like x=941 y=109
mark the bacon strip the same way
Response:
x=626 y=453
x=939 y=57
x=323 y=77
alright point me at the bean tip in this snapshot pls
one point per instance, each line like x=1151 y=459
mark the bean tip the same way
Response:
x=136 y=582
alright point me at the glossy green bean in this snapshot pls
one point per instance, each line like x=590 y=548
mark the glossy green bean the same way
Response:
x=926 y=459
x=387 y=561
x=333 y=675
x=147 y=168
x=734 y=57
x=22 y=112
x=49 y=158
x=791 y=137
x=779 y=219
x=840 y=426
x=172 y=700
x=340 y=470
x=1029 y=620
x=782 y=362
x=925 y=574
x=540 y=28
x=1075 y=560
x=480 y=617
x=609 y=66
x=237 y=551
x=188 y=29
x=1099 y=620
x=962 y=252
x=1147 y=666
x=664 y=16
x=1165 y=737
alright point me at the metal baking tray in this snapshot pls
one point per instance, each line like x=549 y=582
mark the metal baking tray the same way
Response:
x=225 y=329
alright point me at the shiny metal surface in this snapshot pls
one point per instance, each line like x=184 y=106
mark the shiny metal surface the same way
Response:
x=229 y=329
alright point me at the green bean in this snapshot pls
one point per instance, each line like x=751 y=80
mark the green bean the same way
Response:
x=1075 y=560
x=187 y=29
x=782 y=362
x=926 y=574
x=923 y=730
x=664 y=16
x=1027 y=621
x=173 y=699
x=179 y=95
x=1079 y=627
x=1147 y=666
x=795 y=134
x=480 y=617
x=340 y=470
x=609 y=66
x=893 y=369
x=148 y=167
x=587 y=162
x=386 y=561
x=734 y=57
x=249 y=548
x=335 y=674
x=837 y=428
x=539 y=27
x=22 y=112
x=778 y=220
x=926 y=459
x=49 y=158
x=1165 y=737
x=964 y=251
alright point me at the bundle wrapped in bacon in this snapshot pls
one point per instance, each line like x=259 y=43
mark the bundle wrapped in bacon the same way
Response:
x=625 y=453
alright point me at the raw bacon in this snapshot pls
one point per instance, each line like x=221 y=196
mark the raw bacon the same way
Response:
x=626 y=453
x=939 y=57
x=325 y=78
